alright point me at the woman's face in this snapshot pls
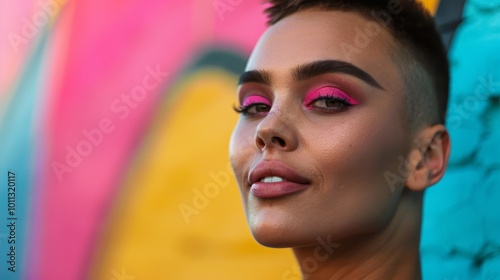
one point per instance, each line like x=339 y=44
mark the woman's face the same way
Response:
x=321 y=130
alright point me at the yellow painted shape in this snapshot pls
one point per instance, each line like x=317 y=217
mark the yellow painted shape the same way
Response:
x=148 y=237
x=431 y=5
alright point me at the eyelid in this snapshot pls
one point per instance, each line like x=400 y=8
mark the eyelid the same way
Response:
x=255 y=99
x=329 y=91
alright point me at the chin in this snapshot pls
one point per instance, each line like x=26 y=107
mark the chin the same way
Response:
x=280 y=235
x=273 y=238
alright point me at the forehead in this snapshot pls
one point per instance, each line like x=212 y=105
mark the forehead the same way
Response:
x=315 y=34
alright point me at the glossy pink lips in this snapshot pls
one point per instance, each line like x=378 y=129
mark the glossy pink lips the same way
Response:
x=291 y=182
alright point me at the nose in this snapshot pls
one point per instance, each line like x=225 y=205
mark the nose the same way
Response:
x=276 y=131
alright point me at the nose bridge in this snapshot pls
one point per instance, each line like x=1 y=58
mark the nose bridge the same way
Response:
x=277 y=129
x=282 y=110
x=273 y=121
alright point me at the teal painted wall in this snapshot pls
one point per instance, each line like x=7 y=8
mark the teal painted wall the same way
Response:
x=461 y=229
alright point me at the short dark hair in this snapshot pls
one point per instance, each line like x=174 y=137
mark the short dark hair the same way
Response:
x=422 y=57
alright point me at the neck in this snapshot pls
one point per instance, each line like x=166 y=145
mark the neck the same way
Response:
x=391 y=253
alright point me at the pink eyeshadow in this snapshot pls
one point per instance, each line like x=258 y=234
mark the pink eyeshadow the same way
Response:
x=330 y=92
x=254 y=99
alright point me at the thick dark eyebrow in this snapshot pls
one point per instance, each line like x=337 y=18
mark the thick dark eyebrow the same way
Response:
x=255 y=76
x=315 y=68
x=310 y=70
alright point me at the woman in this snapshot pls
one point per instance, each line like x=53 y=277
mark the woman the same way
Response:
x=341 y=130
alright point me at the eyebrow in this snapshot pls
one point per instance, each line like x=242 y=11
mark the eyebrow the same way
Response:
x=312 y=69
x=255 y=76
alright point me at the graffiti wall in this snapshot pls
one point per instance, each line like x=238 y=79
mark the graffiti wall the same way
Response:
x=115 y=122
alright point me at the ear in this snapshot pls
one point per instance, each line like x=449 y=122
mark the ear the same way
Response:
x=428 y=157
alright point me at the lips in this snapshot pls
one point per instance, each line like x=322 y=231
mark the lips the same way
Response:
x=270 y=179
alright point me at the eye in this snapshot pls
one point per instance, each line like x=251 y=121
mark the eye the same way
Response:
x=328 y=99
x=253 y=109
x=254 y=105
x=330 y=103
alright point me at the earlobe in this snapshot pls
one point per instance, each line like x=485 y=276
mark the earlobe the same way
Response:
x=428 y=158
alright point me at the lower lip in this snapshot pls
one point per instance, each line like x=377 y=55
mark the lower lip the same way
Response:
x=278 y=189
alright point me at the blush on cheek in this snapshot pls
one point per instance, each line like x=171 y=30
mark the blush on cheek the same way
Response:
x=255 y=99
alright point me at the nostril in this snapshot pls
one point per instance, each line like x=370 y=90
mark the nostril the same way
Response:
x=279 y=141
x=261 y=143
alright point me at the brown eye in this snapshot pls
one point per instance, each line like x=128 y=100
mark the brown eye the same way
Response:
x=329 y=103
x=333 y=103
x=255 y=109
x=258 y=108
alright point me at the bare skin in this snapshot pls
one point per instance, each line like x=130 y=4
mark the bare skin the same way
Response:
x=343 y=153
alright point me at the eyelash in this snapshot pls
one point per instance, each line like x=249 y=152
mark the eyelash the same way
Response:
x=244 y=109
x=344 y=103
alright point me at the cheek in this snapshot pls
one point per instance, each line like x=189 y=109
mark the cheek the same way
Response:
x=356 y=160
x=360 y=146
x=352 y=159
x=368 y=145
x=241 y=149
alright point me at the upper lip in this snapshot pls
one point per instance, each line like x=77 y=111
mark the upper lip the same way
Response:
x=275 y=168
